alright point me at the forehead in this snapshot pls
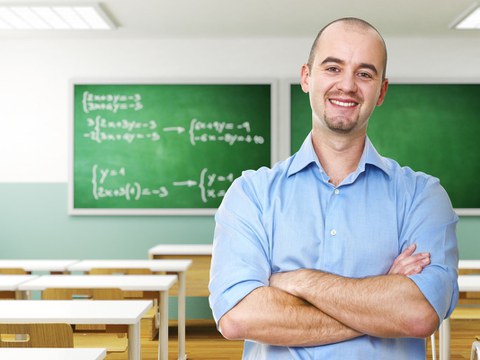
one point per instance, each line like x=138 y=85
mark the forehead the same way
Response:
x=351 y=42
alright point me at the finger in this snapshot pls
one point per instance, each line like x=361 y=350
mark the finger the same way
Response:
x=413 y=267
x=417 y=258
x=407 y=252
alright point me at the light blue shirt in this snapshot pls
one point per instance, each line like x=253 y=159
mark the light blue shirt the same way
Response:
x=291 y=217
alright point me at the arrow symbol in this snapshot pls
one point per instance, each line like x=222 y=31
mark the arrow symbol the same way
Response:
x=188 y=183
x=178 y=129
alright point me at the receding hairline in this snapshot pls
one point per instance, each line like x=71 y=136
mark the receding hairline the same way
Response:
x=354 y=23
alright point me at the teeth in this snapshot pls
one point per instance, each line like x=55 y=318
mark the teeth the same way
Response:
x=344 y=104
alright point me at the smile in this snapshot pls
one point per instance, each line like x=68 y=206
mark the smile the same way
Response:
x=343 y=103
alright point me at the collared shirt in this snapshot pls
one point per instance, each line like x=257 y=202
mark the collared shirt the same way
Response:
x=291 y=217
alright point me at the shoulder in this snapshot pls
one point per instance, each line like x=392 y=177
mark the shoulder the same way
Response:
x=257 y=184
x=418 y=190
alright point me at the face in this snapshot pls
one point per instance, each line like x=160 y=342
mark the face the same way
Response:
x=345 y=80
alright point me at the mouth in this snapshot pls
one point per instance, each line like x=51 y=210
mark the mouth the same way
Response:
x=344 y=103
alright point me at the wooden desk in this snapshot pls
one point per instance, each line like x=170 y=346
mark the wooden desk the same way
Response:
x=52 y=266
x=198 y=274
x=469 y=267
x=52 y=354
x=10 y=283
x=160 y=283
x=80 y=312
x=466 y=283
x=179 y=267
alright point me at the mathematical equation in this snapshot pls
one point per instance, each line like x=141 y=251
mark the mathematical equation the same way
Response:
x=111 y=102
x=209 y=185
x=102 y=130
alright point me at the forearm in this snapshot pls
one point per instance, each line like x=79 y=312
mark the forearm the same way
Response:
x=272 y=316
x=384 y=306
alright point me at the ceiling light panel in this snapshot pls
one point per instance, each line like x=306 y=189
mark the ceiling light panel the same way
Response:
x=471 y=21
x=40 y=17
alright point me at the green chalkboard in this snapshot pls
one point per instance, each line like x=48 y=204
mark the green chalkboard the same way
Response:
x=164 y=148
x=434 y=128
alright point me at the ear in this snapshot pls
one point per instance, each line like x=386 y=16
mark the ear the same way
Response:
x=383 y=92
x=305 y=78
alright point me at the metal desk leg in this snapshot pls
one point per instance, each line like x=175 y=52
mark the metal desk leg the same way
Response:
x=163 y=328
x=444 y=340
x=134 y=346
x=182 y=290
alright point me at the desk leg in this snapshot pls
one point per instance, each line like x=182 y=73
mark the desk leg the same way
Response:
x=134 y=345
x=444 y=340
x=163 y=328
x=182 y=290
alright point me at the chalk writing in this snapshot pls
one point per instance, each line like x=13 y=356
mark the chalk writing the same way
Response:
x=199 y=132
x=216 y=131
x=209 y=185
x=129 y=191
x=122 y=130
x=111 y=102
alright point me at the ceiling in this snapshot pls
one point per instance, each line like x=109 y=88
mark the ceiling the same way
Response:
x=262 y=18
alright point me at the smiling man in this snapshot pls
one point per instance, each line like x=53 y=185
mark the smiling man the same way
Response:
x=336 y=252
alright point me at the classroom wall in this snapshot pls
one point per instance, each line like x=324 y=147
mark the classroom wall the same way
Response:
x=34 y=118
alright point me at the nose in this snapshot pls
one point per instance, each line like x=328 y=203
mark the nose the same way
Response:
x=347 y=83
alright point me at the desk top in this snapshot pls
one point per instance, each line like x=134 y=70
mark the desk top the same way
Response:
x=469 y=264
x=52 y=354
x=153 y=265
x=11 y=282
x=122 y=282
x=181 y=249
x=469 y=282
x=123 y=312
x=37 y=265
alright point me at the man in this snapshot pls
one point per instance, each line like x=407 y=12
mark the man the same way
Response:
x=336 y=252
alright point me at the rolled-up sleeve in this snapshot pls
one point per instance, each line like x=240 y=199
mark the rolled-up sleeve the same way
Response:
x=240 y=251
x=431 y=225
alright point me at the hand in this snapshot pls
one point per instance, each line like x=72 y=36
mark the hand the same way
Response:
x=408 y=264
x=286 y=281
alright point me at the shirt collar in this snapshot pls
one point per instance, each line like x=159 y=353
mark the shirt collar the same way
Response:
x=306 y=155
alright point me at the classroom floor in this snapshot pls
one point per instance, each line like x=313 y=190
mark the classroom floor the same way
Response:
x=205 y=343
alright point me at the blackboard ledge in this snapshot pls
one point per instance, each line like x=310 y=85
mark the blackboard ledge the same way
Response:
x=468 y=212
x=141 y=212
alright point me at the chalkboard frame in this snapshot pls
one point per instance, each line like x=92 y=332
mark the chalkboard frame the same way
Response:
x=274 y=156
x=285 y=120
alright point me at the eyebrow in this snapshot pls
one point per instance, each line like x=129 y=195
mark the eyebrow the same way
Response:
x=331 y=59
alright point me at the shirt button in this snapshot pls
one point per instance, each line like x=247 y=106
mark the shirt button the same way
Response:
x=336 y=191
x=333 y=232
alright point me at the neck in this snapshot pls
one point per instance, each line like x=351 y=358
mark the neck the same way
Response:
x=339 y=154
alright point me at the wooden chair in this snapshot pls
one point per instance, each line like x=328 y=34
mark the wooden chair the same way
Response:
x=36 y=335
x=119 y=271
x=150 y=321
x=113 y=337
x=7 y=295
x=12 y=271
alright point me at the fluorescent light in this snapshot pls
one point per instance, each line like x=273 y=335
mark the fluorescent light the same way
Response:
x=92 y=17
x=70 y=16
x=59 y=17
x=470 y=21
x=8 y=16
x=30 y=17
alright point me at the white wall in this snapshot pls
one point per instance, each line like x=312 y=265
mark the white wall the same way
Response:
x=35 y=74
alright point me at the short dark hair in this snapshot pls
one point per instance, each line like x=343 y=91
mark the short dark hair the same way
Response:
x=352 y=21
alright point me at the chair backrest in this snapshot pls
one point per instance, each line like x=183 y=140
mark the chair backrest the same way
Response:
x=82 y=294
x=7 y=295
x=36 y=335
x=119 y=271
x=12 y=271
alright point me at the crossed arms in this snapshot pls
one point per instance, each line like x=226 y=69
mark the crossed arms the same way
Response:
x=310 y=307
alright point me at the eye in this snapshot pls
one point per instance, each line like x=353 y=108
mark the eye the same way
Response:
x=365 y=75
x=332 y=69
